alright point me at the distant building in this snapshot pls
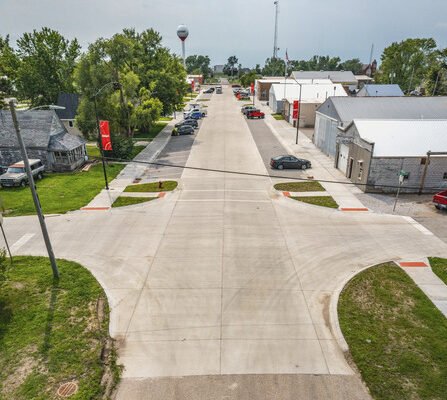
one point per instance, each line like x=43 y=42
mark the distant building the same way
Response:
x=282 y=96
x=380 y=91
x=198 y=79
x=218 y=69
x=369 y=69
x=68 y=115
x=345 y=78
x=373 y=153
x=45 y=137
x=339 y=112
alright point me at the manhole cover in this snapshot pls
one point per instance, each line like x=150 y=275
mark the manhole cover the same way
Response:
x=67 y=389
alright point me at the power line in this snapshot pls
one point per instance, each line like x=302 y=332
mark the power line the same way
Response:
x=260 y=175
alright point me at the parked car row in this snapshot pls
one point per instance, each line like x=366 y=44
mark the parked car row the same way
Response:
x=190 y=120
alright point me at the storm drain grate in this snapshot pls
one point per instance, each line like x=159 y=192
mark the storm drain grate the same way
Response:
x=67 y=389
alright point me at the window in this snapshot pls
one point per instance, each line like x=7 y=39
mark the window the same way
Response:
x=70 y=124
x=445 y=176
x=423 y=160
x=360 y=174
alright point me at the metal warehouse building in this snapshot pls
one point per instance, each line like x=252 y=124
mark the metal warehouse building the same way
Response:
x=373 y=153
x=338 y=112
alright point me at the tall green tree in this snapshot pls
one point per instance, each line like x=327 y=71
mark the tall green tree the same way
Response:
x=407 y=62
x=354 y=65
x=198 y=64
x=9 y=63
x=249 y=78
x=436 y=77
x=230 y=67
x=274 y=67
x=47 y=62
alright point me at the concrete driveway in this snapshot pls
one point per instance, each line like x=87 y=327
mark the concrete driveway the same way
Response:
x=225 y=288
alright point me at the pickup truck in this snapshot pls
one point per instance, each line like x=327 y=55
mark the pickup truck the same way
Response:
x=440 y=200
x=255 y=114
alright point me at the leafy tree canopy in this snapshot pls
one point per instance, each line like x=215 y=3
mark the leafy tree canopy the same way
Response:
x=197 y=64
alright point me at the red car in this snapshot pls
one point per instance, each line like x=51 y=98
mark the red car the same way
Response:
x=255 y=114
x=440 y=200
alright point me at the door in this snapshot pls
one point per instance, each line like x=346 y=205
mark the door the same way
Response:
x=351 y=164
x=343 y=154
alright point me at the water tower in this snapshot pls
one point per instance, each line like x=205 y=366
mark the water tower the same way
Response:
x=182 y=33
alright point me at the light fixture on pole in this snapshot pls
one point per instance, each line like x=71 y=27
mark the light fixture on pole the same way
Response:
x=32 y=185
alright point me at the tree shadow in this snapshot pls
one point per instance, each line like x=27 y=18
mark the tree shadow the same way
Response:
x=5 y=318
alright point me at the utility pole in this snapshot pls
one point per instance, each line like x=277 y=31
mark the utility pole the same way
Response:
x=275 y=41
x=32 y=186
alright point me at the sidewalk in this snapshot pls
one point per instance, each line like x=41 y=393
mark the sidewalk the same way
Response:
x=134 y=170
x=322 y=166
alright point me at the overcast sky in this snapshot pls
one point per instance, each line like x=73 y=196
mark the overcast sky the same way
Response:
x=346 y=28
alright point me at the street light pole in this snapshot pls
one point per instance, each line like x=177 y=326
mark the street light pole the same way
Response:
x=32 y=186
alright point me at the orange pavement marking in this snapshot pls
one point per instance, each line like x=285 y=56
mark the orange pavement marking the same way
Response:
x=95 y=208
x=354 y=209
x=162 y=194
x=287 y=194
x=413 y=264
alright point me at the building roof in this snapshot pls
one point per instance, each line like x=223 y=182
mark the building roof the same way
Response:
x=71 y=102
x=316 y=93
x=346 y=109
x=40 y=129
x=403 y=138
x=334 y=76
x=381 y=91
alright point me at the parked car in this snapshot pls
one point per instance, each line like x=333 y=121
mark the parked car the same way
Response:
x=248 y=108
x=440 y=200
x=290 y=162
x=219 y=90
x=191 y=122
x=255 y=114
x=209 y=90
x=183 y=130
x=15 y=175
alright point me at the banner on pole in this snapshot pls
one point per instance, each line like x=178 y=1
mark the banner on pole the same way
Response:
x=193 y=83
x=106 y=140
x=296 y=108
x=252 y=88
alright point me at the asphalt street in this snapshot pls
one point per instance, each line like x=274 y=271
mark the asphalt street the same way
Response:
x=225 y=288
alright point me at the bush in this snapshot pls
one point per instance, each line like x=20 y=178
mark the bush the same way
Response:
x=122 y=147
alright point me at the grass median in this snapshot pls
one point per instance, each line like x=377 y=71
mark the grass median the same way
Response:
x=311 y=186
x=124 y=201
x=59 y=193
x=322 y=201
x=166 y=186
x=52 y=332
x=396 y=336
x=439 y=267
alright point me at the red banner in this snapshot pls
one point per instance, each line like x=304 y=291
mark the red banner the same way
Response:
x=296 y=108
x=193 y=83
x=252 y=87
x=106 y=140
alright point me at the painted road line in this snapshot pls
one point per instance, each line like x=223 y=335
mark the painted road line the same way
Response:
x=418 y=226
x=286 y=194
x=23 y=240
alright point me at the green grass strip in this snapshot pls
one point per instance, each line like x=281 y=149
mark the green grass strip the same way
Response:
x=278 y=117
x=439 y=267
x=167 y=186
x=396 y=336
x=123 y=201
x=50 y=331
x=312 y=186
x=322 y=201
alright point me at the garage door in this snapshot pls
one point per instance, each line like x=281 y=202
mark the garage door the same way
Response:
x=342 y=164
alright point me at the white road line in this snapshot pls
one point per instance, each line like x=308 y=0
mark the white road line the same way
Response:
x=23 y=240
x=418 y=226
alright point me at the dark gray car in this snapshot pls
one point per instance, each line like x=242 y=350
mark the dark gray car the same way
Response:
x=289 y=162
x=191 y=122
x=185 y=130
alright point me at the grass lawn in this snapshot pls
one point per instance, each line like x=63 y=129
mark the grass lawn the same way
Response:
x=203 y=100
x=50 y=332
x=59 y=193
x=152 y=187
x=166 y=119
x=322 y=201
x=439 y=267
x=129 y=201
x=311 y=186
x=136 y=150
x=396 y=336
x=94 y=153
x=278 y=117
x=154 y=131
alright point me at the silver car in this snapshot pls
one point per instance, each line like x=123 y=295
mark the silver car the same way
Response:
x=15 y=175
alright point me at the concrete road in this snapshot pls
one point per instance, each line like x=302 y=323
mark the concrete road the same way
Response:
x=224 y=288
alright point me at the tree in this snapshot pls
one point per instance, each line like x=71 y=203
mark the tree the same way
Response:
x=274 y=67
x=249 y=78
x=407 y=63
x=436 y=76
x=9 y=63
x=147 y=112
x=229 y=68
x=47 y=62
x=197 y=64
x=354 y=65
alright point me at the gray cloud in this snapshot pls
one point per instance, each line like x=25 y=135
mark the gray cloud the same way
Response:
x=245 y=28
